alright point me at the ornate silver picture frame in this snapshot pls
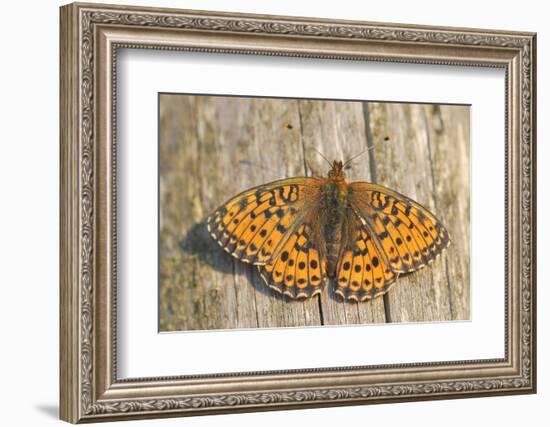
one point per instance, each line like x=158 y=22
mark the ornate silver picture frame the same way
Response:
x=91 y=35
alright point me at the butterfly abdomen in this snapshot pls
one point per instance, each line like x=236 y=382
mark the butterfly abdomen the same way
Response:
x=334 y=204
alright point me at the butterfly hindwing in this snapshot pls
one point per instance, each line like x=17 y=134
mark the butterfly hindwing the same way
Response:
x=362 y=271
x=299 y=270
x=408 y=235
x=253 y=225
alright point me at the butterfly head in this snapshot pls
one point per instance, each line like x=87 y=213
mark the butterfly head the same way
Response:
x=337 y=171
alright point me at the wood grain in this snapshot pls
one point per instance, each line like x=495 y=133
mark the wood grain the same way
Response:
x=212 y=148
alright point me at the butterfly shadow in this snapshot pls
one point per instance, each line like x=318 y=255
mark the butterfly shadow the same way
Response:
x=198 y=243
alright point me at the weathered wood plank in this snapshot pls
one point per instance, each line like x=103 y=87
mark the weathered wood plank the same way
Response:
x=193 y=282
x=276 y=155
x=212 y=148
x=404 y=163
x=449 y=139
x=405 y=166
x=337 y=129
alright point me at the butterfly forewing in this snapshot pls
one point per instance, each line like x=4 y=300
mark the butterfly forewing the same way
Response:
x=254 y=225
x=408 y=234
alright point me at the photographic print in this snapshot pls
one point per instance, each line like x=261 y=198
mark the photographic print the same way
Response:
x=279 y=212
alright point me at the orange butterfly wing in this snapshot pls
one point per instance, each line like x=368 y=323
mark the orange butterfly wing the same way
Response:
x=299 y=270
x=388 y=234
x=362 y=271
x=267 y=226
x=408 y=235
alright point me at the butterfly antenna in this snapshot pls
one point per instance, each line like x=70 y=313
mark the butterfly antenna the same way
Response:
x=321 y=154
x=363 y=152
x=347 y=162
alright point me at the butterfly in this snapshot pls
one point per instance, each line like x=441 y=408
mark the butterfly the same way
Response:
x=302 y=231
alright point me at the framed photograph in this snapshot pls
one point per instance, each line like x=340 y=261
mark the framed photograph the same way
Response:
x=422 y=150
x=266 y=212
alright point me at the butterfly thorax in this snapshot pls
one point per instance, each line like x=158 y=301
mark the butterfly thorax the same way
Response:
x=335 y=204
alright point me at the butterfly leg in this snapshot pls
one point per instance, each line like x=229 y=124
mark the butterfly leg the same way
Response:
x=313 y=171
